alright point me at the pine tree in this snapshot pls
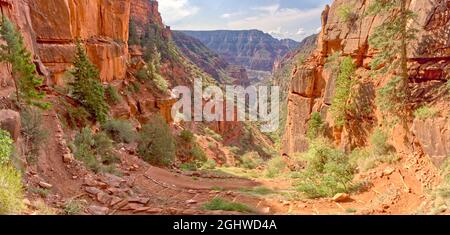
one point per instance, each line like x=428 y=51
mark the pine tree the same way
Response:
x=391 y=39
x=133 y=35
x=86 y=87
x=25 y=78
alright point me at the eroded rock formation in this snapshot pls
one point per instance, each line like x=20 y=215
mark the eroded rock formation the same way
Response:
x=312 y=84
x=51 y=28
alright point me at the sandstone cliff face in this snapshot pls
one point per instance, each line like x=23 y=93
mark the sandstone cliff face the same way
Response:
x=312 y=85
x=51 y=28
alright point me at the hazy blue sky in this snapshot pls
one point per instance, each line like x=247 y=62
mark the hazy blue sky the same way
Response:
x=282 y=18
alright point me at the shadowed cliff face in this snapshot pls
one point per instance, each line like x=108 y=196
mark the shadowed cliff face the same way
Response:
x=313 y=84
x=250 y=48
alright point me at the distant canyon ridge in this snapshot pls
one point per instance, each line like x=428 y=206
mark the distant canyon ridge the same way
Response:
x=234 y=51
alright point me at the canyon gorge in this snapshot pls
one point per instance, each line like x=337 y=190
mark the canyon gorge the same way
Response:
x=139 y=160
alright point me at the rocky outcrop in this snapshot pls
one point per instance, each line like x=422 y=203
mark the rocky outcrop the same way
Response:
x=313 y=84
x=10 y=121
x=51 y=27
x=145 y=13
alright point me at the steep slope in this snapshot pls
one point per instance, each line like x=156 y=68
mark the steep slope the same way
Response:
x=313 y=84
x=209 y=61
x=253 y=49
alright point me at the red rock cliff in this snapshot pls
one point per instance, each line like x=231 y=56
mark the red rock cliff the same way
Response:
x=312 y=85
x=52 y=26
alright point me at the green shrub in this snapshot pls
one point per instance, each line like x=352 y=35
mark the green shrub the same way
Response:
x=275 y=166
x=134 y=87
x=392 y=98
x=121 y=131
x=77 y=117
x=112 y=95
x=73 y=207
x=94 y=150
x=11 y=190
x=6 y=147
x=251 y=160
x=187 y=136
x=33 y=131
x=189 y=166
x=213 y=134
x=156 y=143
x=142 y=75
x=210 y=164
x=379 y=142
x=198 y=154
x=160 y=82
x=315 y=126
x=328 y=171
x=426 y=112
x=346 y=14
x=344 y=83
x=224 y=205
x=366 y=159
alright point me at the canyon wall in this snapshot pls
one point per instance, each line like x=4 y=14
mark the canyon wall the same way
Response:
x=313 y=83
x=51 y=28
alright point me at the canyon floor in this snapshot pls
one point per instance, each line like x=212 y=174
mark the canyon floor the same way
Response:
x=402 y=188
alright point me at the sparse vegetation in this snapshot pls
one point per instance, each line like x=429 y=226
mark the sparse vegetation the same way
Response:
x=391 y=39
x=187 y=136
x=224 y=205
x=426 y=112
x=33 y=131
x=11 y=190
x=156 y=143
x=121 y=131
x=213 y=134
x=316 y=126
x=95 y=150
x=379 y=152
x=73 y=207
x=346 y=14
x=6 y=147
x=42 y=192
x=275 y=166
x=210 y=164
x=251 y=160
x=112 y=95
x=262 y=191
x=328 y=171
x=77 y=117
x=379 y=142
x=340 y=105
x=86 y=87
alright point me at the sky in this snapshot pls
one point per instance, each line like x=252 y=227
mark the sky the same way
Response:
x=294 y=19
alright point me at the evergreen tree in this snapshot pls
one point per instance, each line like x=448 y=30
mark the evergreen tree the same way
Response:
x=391 y=39
x=133 y=35
x=14 y=52
x=86 y=86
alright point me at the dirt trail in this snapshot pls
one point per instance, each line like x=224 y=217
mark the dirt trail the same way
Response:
x=145 y=189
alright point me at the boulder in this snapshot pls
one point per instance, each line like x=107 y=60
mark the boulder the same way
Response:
x=10 y=121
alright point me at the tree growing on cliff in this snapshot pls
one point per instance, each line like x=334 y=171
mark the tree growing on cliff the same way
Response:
x=86 y=87
x=391 y=39
x=14 y=52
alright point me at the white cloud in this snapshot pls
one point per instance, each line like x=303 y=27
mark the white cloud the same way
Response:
x=270 y=9
x=176 y=10
x=279 y=22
